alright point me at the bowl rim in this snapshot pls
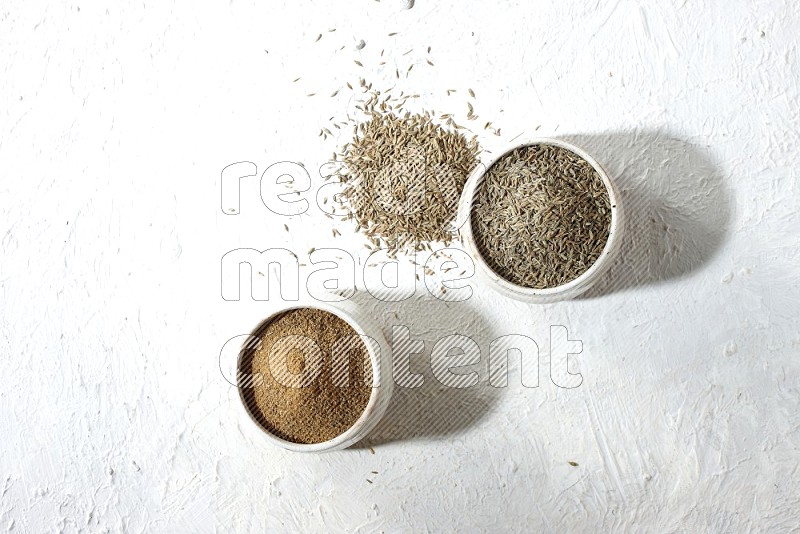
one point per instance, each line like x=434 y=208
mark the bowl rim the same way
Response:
x=354 y=432
x=464 y=224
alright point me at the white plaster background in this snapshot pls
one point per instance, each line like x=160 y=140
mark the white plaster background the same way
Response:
x=114 y=126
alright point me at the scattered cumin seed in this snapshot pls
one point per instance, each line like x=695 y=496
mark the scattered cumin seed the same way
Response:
x=318 y=38
x=409 y=161
x=357 y=62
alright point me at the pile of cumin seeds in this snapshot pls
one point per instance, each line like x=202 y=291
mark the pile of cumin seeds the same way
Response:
x=404 y=174
x=541 y=216
x=310 y=401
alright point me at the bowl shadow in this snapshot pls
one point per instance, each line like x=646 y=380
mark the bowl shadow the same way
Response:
x=676 y=206
x=432 y=410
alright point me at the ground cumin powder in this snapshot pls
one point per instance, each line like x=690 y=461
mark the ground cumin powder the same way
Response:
x=307 y=411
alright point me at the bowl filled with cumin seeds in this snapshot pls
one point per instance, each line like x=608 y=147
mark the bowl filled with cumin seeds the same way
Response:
x=309 y=376
x=542 y=221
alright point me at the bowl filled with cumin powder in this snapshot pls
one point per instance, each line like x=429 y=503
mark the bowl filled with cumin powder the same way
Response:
x=542 y=221
x=309 y=375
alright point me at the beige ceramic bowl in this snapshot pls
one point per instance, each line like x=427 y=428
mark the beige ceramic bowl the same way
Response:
x=379 y=354
x=563 y=292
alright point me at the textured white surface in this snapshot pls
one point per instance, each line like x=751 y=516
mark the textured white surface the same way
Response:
x=114 y=127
